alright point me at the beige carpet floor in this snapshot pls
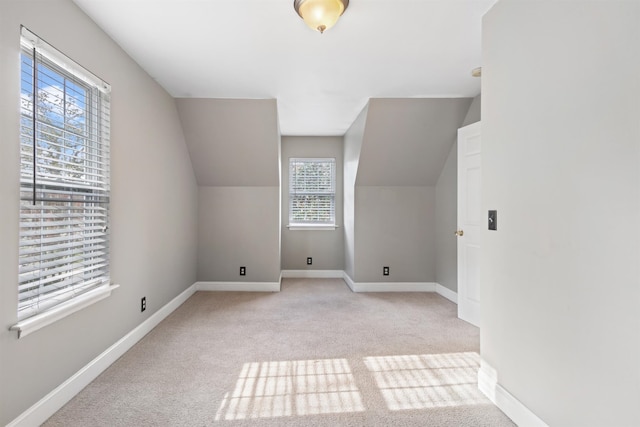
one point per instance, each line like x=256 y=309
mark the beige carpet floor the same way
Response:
x=314 y=354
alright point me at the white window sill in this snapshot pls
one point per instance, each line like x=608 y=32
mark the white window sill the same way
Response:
x=39 y=321
x=312 y=227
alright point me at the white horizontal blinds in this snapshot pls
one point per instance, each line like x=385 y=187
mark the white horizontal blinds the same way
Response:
x=64 y=179
x=312 y=190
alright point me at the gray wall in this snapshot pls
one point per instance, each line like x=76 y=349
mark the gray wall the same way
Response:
x=352 y=145
x=407 y=140
x=473 y=114
x=326 y=247
x=232 y=142
x=153 y=210
x=402 y=153
x=395 y=227
x=561 y=164
x=447 y=221
x=238 y=226
x=447 y=210
x=235 y=148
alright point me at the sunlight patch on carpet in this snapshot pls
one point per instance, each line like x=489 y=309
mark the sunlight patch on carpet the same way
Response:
x=288 y=388
x=428 y=380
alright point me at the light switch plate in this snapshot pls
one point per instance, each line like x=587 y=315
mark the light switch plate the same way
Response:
x=493 y=220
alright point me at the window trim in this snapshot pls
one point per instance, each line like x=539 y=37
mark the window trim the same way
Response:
x=313 y=226
x=31 y=40
x=62 y=310
x=52 y=311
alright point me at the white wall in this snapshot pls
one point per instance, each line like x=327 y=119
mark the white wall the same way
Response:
x=352 y=146
x=561 y=164
x=326 y=247
x=153 y=210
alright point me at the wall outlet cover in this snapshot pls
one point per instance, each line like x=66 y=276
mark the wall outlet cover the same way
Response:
x=309 y=260
x=243 y=271
x=385 y=271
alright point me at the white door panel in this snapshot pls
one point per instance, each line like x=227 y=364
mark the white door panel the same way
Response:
x=470 y=222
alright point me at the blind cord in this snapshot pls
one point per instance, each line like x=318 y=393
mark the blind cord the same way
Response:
x=34 y=110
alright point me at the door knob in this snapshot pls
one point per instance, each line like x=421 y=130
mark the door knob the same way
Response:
x=459 y=233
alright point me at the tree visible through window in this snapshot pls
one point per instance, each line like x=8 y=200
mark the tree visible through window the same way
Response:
x=64 y=179
x=312 y=191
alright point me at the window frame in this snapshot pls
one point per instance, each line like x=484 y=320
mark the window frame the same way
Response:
x=294 y=193
x=64 y=187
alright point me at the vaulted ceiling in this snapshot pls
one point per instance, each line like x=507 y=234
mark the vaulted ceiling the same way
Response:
x=261 y=49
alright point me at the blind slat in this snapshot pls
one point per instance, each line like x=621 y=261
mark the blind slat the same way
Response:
x=57 y=273
x=28 y=261
x=38 y=249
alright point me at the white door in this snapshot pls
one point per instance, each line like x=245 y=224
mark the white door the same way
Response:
x=470 y=222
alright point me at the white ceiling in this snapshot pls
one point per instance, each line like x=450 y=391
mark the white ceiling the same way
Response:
x=256 y=49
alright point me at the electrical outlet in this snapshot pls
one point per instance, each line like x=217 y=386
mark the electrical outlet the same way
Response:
x=309 y=260
x=143 y=304
x=243 y=271
x=385 y=271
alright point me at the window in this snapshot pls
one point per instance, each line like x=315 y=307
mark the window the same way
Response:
x=312 y=192
x=64 y=180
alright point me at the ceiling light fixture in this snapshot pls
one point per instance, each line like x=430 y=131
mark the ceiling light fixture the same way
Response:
x=320 y=15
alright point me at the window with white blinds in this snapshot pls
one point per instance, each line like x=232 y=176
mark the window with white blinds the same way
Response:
x=312 y=191
x=64 y=179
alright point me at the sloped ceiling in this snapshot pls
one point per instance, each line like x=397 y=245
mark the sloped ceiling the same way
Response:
x=232 y=142
x=406 y=141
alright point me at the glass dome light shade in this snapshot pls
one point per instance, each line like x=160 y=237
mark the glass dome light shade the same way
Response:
x=320 y=15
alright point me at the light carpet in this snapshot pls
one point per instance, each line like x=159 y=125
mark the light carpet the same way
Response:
x=314 y=354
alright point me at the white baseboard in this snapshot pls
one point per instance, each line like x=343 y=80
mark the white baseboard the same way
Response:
x=395 y=287
x=512 y=407
x=238 y=286
x=312 y=274
x=56 y=399
x=349 y=281
x=399 y=287
x=389 y=286
x=447 y=293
